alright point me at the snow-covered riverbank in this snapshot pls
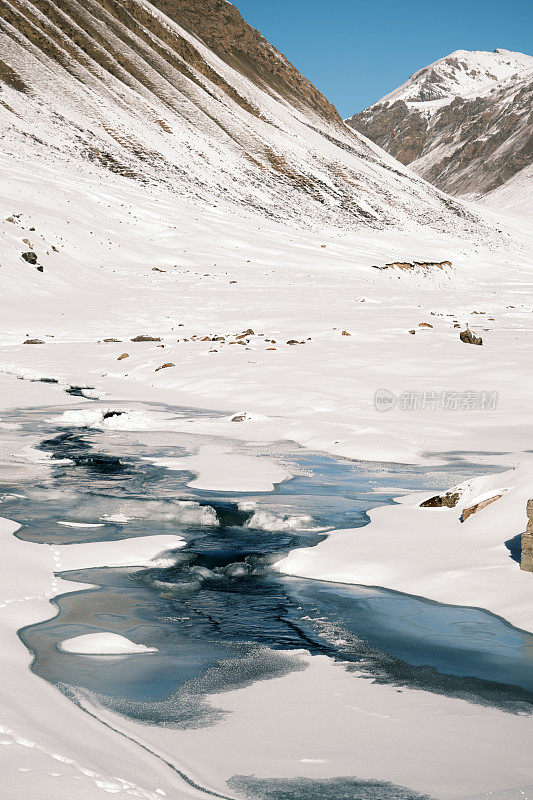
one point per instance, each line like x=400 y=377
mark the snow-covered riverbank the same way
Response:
x=295 y=741
x=319 y=392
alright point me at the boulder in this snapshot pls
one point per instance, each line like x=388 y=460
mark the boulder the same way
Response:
x=34 y=341
x=123 y=355
x=30 y=257
x=164 y=366
x=469 y=337
x=144 y=338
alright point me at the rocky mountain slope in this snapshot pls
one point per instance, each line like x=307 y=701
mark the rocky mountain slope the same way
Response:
x=189 y=97
x=463 y=123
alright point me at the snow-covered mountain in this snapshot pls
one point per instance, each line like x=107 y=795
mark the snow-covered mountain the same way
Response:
x=188 y=96
x=463 y=122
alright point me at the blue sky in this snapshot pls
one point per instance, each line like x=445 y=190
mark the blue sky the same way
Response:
x=356 y=52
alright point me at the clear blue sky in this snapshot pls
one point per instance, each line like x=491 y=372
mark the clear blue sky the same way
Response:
x=355 y=52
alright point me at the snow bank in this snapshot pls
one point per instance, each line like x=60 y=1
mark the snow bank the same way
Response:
x=218 y=469
x=103 y=644
x=430 y=552
x=108 y=418
x=135 y=552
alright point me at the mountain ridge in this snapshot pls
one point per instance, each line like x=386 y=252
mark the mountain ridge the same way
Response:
x=129 y=88
x=463 y=123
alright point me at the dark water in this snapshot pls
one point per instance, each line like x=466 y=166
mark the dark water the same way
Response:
x=218 y=614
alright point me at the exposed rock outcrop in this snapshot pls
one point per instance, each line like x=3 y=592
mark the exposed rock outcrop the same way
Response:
x=467 y=512
x=447 y=500
x=526 y=560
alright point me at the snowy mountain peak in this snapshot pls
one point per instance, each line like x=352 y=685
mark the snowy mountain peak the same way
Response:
x=463 y=73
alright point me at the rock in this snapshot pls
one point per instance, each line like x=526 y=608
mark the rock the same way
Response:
x=109 y=414
x=238 y=418
x=469 y=337
x=34 y=341
x=30 y=257
x=144 y=338
x=424 y=325
x=165 y=366
x=467 y=512
x=345 y=333
x=293 y=341
x=413 y=332
x=123 y=355
x=40 y=268
x=233 y=281
x=156 y=269
x=526 y=559
x=111 y=340
x=249 y=332
x=448 y=500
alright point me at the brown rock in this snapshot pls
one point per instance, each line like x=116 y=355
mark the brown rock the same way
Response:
x=413 y=332
x=469 y=337
x=293 y=341
x=448 y=500
x=34 y=341
x=111 y=340
x=526 y=559
x=345 y=333
x=144 y=338
x=124 y=355
x=424 y=325
x=165 y=366
x=467 y=512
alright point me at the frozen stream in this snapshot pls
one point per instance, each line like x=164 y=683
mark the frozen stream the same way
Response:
x=218 y=615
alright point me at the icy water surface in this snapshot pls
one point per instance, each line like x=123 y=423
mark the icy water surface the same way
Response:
x=218 y=614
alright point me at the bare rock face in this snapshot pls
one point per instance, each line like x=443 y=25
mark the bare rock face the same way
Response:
x=221 y=27
x=526 y=561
